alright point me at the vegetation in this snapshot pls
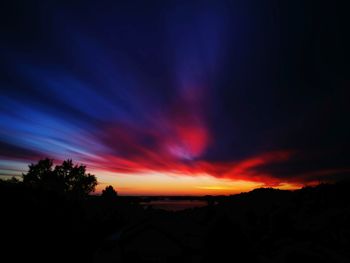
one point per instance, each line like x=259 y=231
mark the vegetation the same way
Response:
x=109 y=193
x=67 y=178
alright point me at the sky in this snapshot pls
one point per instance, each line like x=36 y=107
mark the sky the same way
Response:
x=177 y=97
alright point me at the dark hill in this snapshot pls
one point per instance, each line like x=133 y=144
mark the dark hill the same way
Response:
x=264 y=225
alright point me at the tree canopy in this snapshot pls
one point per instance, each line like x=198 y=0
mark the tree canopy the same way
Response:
x=66 y=178
x=109 y=192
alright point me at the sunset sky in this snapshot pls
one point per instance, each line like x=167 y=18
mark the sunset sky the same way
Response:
x=177 y=97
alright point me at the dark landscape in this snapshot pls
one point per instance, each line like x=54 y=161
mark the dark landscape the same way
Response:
x=263 y=225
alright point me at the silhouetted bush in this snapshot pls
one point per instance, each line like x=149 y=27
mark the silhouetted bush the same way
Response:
x=109 y=193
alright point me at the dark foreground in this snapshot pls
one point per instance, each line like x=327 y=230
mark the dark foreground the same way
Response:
x=265 y=225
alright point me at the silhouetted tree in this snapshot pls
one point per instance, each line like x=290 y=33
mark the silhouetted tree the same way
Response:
x=38 y=173
x=12 y=180
x=109 y=192
x=66 y=178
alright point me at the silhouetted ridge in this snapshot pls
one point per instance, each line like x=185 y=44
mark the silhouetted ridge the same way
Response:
x=264 y=225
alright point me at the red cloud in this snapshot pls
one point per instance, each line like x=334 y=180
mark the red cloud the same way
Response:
x=175 y=144
x=152 y=161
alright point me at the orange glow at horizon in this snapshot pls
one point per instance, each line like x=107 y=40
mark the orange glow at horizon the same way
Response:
x=164 y=175
x=156 y=183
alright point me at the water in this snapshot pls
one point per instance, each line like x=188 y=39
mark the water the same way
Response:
x=175 y=205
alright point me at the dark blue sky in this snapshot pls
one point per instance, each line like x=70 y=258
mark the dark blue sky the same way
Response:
x=181 y=86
